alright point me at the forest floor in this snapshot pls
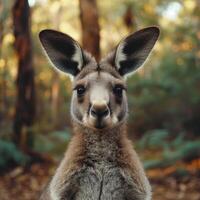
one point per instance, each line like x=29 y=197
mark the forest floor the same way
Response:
x=27 y=183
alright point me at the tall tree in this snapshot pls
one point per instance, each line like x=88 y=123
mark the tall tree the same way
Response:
x=90 y=27
x=25 y=104
x=129 y=19
x=4 y=10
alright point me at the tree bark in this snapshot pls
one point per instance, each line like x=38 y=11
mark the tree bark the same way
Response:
x=25 y=103
x=90 y=27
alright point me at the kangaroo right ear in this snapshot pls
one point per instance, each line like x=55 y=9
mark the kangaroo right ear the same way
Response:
x=64 y=52
x=132 y=52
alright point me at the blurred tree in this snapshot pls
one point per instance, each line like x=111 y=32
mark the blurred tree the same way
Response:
x=25 y=105
x=4 y=14
x=1 y=24
x=90 y=27
x=129 y=19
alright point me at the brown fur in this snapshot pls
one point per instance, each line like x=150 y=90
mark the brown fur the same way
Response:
x=100 y=163
x=88 y=147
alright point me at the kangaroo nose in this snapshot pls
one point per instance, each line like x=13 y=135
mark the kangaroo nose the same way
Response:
x=99 y=110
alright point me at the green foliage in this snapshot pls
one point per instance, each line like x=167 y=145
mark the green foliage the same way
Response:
x=11 y=155
x=186 y=152
x=53 y=143
x=161 y=139
x=190 y=150
x=172 y=149
x=167 y=99
x=153 y=139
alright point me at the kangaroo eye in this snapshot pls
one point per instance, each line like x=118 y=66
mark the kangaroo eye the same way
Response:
x=80 y=90
x=118 y=90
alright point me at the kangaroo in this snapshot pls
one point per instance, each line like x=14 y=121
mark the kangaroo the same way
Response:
x=100 y=163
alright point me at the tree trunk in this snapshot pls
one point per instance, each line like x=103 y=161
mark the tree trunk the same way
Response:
x=1 y=26
x=90 y=27
x=25 y=103
x=129 y=19
x=3 y=81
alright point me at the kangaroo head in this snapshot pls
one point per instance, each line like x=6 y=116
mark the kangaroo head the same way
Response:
x=99 y=89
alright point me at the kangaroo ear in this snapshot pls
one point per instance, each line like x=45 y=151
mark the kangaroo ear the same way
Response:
x=134 y=49
x=63 y=51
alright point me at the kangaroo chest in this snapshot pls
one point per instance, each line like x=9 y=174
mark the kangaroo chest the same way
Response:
x=103 y=181
x=101 y=177
x=103 y=173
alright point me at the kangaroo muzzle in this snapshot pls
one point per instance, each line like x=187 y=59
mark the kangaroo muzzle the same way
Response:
x=99 y=112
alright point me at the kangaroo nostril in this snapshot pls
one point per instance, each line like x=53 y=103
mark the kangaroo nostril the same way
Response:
x=93 y=112
x=105 y=113
x=99 y=112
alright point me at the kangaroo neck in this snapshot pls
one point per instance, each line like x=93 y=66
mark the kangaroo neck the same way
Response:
x=101 y=145
x=100 y=134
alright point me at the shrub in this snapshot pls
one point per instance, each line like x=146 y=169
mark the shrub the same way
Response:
x=10 y=155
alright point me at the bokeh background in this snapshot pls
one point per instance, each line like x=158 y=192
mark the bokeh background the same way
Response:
x=164 y=96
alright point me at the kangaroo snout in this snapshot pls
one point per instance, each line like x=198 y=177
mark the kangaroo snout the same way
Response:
x=99 y=111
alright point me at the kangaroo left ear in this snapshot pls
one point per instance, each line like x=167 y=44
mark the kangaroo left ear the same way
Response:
x=64 y=52
x=134 y=49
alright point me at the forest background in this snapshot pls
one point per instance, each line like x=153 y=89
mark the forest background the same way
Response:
x=164 y=95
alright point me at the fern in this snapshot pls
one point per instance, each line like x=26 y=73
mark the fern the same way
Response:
x=10 y=154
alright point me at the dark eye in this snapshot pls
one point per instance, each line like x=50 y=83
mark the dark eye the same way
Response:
x=118 y=90
x=80 y=90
